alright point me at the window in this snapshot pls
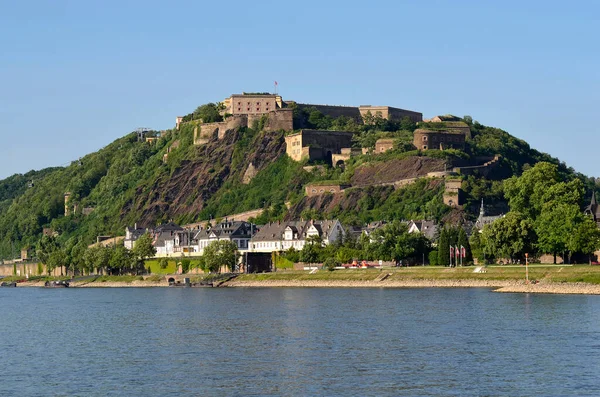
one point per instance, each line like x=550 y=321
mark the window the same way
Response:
x=424 y=139
x=248 y=109
x=239 y=109
x=257 y=103
x=267 y=109
x=424 y=147
x=258 y=109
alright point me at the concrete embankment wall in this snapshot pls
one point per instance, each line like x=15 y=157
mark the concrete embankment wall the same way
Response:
x=26 y=269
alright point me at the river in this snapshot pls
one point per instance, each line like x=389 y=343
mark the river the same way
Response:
x=297 y=342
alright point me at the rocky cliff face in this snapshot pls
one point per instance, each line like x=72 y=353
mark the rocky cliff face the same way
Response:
x=188 y=188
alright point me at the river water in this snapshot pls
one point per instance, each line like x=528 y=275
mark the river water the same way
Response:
x=297 y=342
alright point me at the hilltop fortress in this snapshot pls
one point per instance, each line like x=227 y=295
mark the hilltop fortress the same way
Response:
x=243 y=110
x=271 y=113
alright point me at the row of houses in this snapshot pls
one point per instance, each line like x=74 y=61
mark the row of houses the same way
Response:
x=171 y=240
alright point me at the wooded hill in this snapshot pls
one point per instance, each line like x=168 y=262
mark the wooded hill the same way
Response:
x=128 y=182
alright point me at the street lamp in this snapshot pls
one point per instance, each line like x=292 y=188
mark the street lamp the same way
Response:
x=526 y=268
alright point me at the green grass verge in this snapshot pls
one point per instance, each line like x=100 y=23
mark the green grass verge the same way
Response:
x=171 y=268
x=551 y=273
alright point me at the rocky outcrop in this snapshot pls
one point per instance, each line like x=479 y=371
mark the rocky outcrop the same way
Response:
x=186 y=190
x=383 y=172
x=249 y=174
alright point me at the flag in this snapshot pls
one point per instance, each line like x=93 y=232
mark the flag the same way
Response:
x=451 y=251
x=276 y=83
x=457 y=252
x=463 y=251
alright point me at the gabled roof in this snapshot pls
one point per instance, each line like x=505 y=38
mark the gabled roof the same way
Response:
x=427 y=228
x=274 y=231
x=227 y=229
x=168 y=227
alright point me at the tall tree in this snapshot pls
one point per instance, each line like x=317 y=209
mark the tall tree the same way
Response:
x=143 y=247
x=476 y=248
x=394 y=242
x=555 y=226
x=312 y=250
x=509 y=237
x=525 y=193
x=586 y=238
x=220 y=254
x=444 y=248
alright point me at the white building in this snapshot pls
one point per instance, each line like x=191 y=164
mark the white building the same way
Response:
x=281 y=236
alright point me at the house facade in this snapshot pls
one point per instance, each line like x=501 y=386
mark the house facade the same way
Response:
x=281 y=236
x=132 y=234
x=238 y=232
x=166 y=238
x=426 y=228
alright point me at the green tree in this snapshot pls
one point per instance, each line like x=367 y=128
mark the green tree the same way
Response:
x=330 y=264
x=433 y=258
x=509 y=237
x=475 y=244
x=163 y=263
x=55 y=259
x=292 y=255
x=89 y=259
x=555 y=227
x=77 y=255
x=526 y=193
x=586 y=238
x=45 y=247
x=209 y=113
x=143 y=248
x=443 y=258
x=394 y=242
x=185 y=265
x=121 y=259
x=312 y=250
x=218 y=254
x=102 y=259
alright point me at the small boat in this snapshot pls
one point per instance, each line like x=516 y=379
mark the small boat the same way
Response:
x=56 y=284
x=7 y=284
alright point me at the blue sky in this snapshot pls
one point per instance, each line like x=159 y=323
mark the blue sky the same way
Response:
x=75 y=75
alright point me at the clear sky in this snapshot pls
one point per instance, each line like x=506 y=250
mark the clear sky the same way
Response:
x=75 y=75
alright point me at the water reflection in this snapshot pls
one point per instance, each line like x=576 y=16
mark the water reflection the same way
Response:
x=355 y=342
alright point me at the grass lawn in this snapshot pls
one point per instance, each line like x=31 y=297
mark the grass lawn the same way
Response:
x=551 y=273
x=170 y=269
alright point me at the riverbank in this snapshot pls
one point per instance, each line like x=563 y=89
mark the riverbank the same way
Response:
x=495 y=285
x=557 y=279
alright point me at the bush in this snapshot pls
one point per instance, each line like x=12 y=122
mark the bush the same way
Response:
x=163 y=263
x=330 y=264
x=185 y=265
x=433 y=258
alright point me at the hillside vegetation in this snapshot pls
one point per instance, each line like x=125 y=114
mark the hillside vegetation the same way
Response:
x=128 y=182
